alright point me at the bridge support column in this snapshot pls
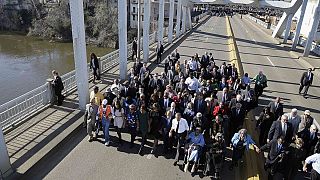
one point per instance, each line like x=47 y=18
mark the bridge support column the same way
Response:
x=178 y=22
x=80 y=53
x=122 y=28
x=171 y=15
x=315 y=24
x=288 y=28
x=5 y=166
x=161 y=21
x=184 y=11
x=298 y=29
x=139 y=33
x=189 y=18
x=146 y=29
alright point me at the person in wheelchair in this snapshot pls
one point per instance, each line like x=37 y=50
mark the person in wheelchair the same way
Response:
x=215 y=153
x=193 y=149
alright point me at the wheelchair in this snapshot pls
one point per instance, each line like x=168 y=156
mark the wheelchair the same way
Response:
x=189 y=150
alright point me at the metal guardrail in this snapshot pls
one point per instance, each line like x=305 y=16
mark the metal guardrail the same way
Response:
x=15 y=111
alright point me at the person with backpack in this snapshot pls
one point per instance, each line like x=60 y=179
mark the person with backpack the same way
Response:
x=104 y=115
x=58 y=87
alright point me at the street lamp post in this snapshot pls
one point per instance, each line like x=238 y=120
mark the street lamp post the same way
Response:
x=138 y=39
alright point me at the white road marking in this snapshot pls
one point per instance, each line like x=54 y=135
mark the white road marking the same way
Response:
x=271 y=62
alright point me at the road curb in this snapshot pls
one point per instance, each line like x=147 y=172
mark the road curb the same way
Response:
x=234 y=55
x=250 y=158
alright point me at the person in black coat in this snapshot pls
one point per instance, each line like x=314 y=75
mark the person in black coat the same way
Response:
x=159 y=51
x=279 y=128
x=310 y=139
x=200 y=104
x=277 y=154
x=264 y=123
x=165 y=103
x=306 y=81
x=94 y=65
x=205 y=60
x=276 y=107
x=134 y=48
x=58 y=87
x=237 y=118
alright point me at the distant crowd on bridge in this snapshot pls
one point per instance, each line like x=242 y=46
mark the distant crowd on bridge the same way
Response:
x=201 y=109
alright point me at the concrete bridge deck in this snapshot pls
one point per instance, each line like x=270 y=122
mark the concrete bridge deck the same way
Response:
x=55 y=146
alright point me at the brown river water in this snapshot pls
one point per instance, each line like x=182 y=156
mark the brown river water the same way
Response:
x=26 y=62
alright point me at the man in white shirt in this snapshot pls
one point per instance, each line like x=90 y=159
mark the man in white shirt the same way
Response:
x=179 y=130
x=193 y=64
x=193 y=84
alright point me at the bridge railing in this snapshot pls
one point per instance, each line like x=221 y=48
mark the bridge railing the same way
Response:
x=17 y=110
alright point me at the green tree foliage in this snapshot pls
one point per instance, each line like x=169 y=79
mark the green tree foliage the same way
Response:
x=101 y=24
x=55 y=25
x=104 y=25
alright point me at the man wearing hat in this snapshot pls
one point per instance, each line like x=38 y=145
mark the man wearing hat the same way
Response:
x=104 y=116
x=306 y=121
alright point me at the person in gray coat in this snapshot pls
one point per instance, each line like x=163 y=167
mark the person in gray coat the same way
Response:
x=90 y=119
x=294 y=119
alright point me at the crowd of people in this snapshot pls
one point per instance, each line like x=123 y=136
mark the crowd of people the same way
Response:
x=200 y=109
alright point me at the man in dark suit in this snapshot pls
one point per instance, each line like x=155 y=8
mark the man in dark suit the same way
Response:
x=310 y=139
x=279 y=128
x=165 y=103
x=159 y=51
x=200 y=104
x=237 y=118
x=306 y=81
x=58 y=87
x=224 y=96
x=276 y=153
x=276 y=107
x=128 y=91
x=205 y=59
x=234 y=101
x=134 y=48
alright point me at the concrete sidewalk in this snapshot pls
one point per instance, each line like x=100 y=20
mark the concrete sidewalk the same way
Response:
x=33 y=142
